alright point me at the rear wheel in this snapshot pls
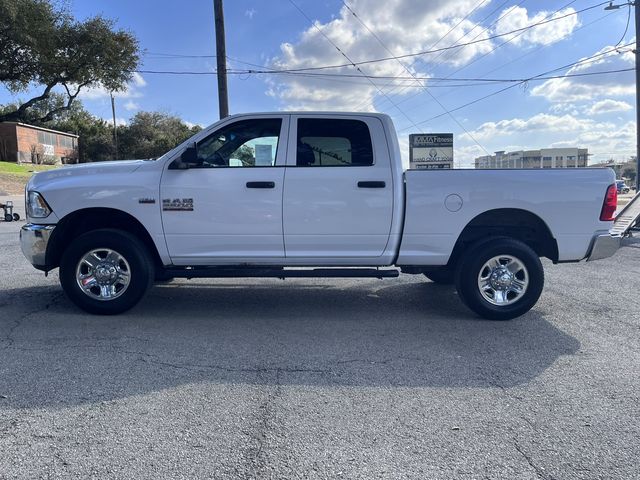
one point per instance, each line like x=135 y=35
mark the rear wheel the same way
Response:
x=8 y=217
x=106 y=271
x=500 y=278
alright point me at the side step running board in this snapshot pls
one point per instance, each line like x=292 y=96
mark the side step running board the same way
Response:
x=275 y=272
x=628 y=217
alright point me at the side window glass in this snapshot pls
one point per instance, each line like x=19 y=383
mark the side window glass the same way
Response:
x=333 y=143
x=246 y=143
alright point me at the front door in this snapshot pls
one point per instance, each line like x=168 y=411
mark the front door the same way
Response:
x=228 y=208
x=338 y=195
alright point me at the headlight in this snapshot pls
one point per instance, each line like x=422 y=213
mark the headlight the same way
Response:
x=36 y=206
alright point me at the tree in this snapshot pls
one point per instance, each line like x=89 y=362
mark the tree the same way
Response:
x=35 y=114
x=246 y=155
x=151 y=134
x=42 y=44
x=630 y=174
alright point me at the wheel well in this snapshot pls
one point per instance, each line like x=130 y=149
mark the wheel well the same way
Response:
x=508 y=222
x=85 y=220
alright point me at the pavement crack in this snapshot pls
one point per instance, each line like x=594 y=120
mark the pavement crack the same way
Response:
x=539 y=470
x=152 y=359
x=17 y=323
x=266 y=424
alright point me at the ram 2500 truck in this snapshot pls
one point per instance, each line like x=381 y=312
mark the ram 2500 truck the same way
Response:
x=273 y=194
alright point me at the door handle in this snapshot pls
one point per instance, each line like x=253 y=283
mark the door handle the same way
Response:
x=373 y=184
x=261 y=184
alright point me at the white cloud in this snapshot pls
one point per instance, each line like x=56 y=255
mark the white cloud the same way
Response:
x=603 y=139
x=463 y=156
x=405 y=26
x=250 y=13
x=119 y=121
x=132 y=90
x=545 y=34
x=542 y=122
x=131 y=106
x=608 y=106
x=577 y=89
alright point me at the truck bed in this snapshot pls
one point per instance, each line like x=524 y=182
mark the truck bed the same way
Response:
x=439 y=204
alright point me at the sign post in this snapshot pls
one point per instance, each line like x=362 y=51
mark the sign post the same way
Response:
x=430 y=151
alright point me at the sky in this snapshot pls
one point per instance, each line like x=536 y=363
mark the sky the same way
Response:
x=586 y=111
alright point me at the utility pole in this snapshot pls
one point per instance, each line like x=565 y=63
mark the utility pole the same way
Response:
x=611 y=6
x=637 y=51
x=115 y=128
x=221 y=57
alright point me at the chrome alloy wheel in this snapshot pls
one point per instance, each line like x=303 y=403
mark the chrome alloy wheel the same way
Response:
x=503 y=280
x=103 y=274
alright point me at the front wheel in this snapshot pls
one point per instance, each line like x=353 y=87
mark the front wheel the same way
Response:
x=106 y=271
x=500 y=278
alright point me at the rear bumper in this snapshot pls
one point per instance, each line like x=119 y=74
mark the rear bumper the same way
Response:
x=603 y=246
x=33 y=242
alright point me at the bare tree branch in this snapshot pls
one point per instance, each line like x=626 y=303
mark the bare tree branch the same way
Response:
x=49 y=116
x=19 y=112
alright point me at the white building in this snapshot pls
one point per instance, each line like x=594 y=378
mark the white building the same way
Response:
x=543 y=158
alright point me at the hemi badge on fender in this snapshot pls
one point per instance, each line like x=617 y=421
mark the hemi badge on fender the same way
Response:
x=177 y=205
x=146 y=200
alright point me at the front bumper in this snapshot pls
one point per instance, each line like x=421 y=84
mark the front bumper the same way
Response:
x=604 y=246
x=33 y=242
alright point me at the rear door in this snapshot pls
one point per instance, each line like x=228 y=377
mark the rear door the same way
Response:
x=228 y=209
x=338 y=194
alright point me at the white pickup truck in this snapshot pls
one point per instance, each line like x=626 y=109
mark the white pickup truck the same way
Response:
x=272 y=194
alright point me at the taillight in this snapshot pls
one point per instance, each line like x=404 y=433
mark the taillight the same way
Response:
x=610 y=204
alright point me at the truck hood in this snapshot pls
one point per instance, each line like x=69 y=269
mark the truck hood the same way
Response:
x=84 y=169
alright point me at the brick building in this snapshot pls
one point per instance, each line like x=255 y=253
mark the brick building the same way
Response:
x=24 y=143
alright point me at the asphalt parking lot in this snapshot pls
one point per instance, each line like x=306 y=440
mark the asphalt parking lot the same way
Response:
x=321 y=379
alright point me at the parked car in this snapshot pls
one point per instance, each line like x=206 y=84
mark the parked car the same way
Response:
x=622 y=187
x=322 y=190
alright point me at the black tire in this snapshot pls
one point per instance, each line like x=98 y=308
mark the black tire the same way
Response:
x=16 y=217
x=472 y=264
x=131 y=249
x=442 y=275
x=8 y=217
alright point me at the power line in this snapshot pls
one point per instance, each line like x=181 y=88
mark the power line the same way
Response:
x=587 y=60
x=411 y=73
x=479 y=81
x=348 y=59
x=509 y=62
x=547 y=17
x=504 y=14
x=408 y=55
x=451 y=47
x=481 y=3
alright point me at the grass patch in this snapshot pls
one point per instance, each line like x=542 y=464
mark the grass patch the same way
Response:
x=23 y=170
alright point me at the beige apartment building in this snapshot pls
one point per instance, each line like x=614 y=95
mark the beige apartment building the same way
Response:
x=543 y=158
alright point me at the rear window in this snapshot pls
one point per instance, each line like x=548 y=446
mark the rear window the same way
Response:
x=333 y=143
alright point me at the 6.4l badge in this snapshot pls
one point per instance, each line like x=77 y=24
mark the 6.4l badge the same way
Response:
x=177 y=204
